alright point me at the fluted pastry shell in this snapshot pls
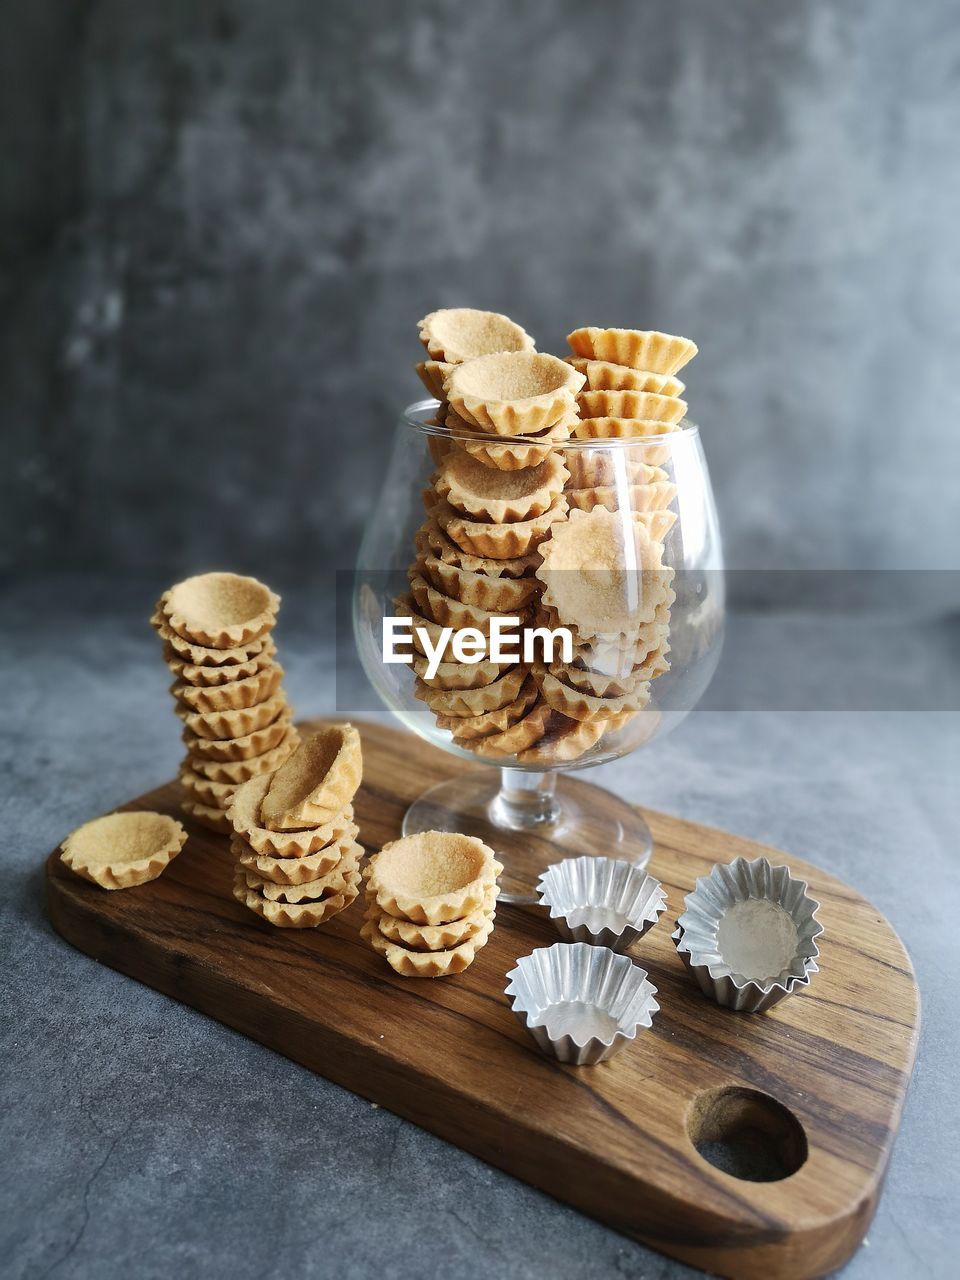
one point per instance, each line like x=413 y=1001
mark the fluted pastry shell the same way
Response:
x=432 y=937
x=567 y=739
x=513 y=393
x=593 y=582
x=637 y=348
x=122 y=850
x=432 y=877
x=576 y=705
x=455 y=334
x=406 y=607
x=604 y=685
x=474 y=702
x=432 y=373
x=448 y=612
x=204 y=791
x=244 y=812
x=610 y=465
x=256 y=743
x=210 y=816
x=232 y=696
x=601 y=375
x=499 y=541
x=637 y=429
x=445 y=549
x=497 y=595
x=293 y=871
x=241 y=768
x=426 y=964
x=220 y=610
x=564 y=739
x=333 y=881
x=484 y=493
x=503 y=453
x=203 y=655
x=647 y=405
x=516 y=739
x=233 y=724
x=317 y=782
x=467 y=729
x=301 y=915
x=638 y=497
x=206 y=677
x=459 y=675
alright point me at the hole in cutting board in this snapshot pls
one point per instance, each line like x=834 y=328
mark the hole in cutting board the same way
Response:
x=746 y=1134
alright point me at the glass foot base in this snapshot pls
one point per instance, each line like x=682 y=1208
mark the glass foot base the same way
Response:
x=583 y=820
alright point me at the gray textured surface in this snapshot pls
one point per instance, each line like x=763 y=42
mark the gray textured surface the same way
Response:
x=220 y=223
x=141 y=1139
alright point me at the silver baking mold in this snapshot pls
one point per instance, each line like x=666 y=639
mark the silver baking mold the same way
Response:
x=605 y=901
x=580 y=1003
x=748 y=934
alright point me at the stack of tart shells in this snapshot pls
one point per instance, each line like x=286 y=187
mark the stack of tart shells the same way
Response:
x=431 y=902
x=631 y=393
x=496 y=492
x=454 y=335
x=237 y=724
x=294 y=834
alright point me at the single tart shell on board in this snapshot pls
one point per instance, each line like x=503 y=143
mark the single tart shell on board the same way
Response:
x=318 y=781
x=514 y=394
x=123 y=849
x=220 y=610
x=433 y=877
x=455 y=334
x=595 y=581
x=644 y=349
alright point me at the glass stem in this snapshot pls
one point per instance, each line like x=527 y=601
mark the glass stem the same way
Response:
x=525 y=801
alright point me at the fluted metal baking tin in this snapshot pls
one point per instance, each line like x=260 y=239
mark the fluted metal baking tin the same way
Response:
x=581 y=1003
x=620 y=900
x=698 y=943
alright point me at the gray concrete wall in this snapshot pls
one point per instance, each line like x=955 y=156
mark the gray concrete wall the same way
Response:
x=220 y=223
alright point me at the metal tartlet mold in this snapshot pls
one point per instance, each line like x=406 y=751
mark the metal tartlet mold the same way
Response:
x=605 y=901
x=581 y=1003
x=748 y=935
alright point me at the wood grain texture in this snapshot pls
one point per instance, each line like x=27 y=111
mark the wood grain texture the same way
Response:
x=449 y=1054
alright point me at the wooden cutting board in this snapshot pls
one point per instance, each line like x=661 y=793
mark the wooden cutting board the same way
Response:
x=819 y=1082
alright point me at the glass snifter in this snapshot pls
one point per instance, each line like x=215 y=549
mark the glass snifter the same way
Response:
x=617 y=689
